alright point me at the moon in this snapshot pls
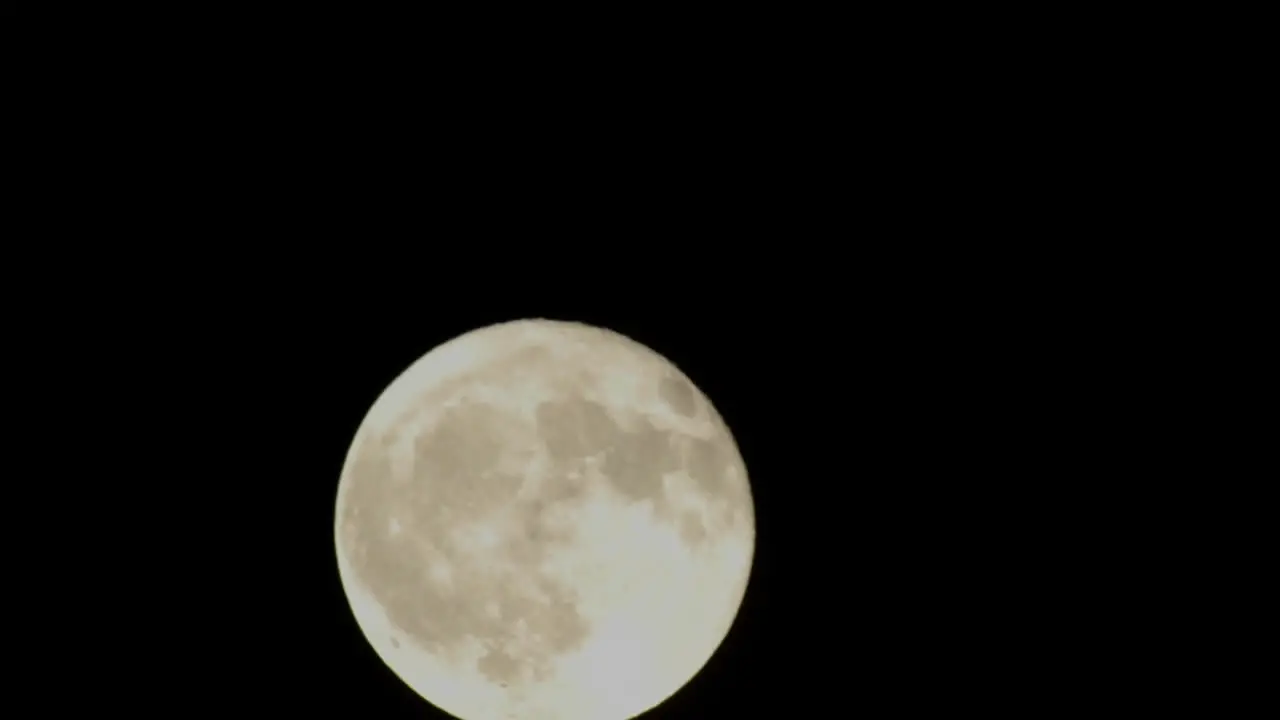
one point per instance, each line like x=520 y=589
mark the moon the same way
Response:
x=544 y=520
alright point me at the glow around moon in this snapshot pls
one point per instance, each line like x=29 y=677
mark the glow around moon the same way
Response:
x=544 y=520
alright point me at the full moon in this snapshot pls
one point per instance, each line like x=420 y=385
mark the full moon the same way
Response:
x=544 y=520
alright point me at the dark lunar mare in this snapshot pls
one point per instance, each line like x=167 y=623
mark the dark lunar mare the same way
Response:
x=455 y=478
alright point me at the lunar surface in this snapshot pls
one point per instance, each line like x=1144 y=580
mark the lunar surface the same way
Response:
x=546 y=521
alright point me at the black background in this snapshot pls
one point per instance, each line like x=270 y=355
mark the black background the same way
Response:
x=876 y=307
x=917 y=262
